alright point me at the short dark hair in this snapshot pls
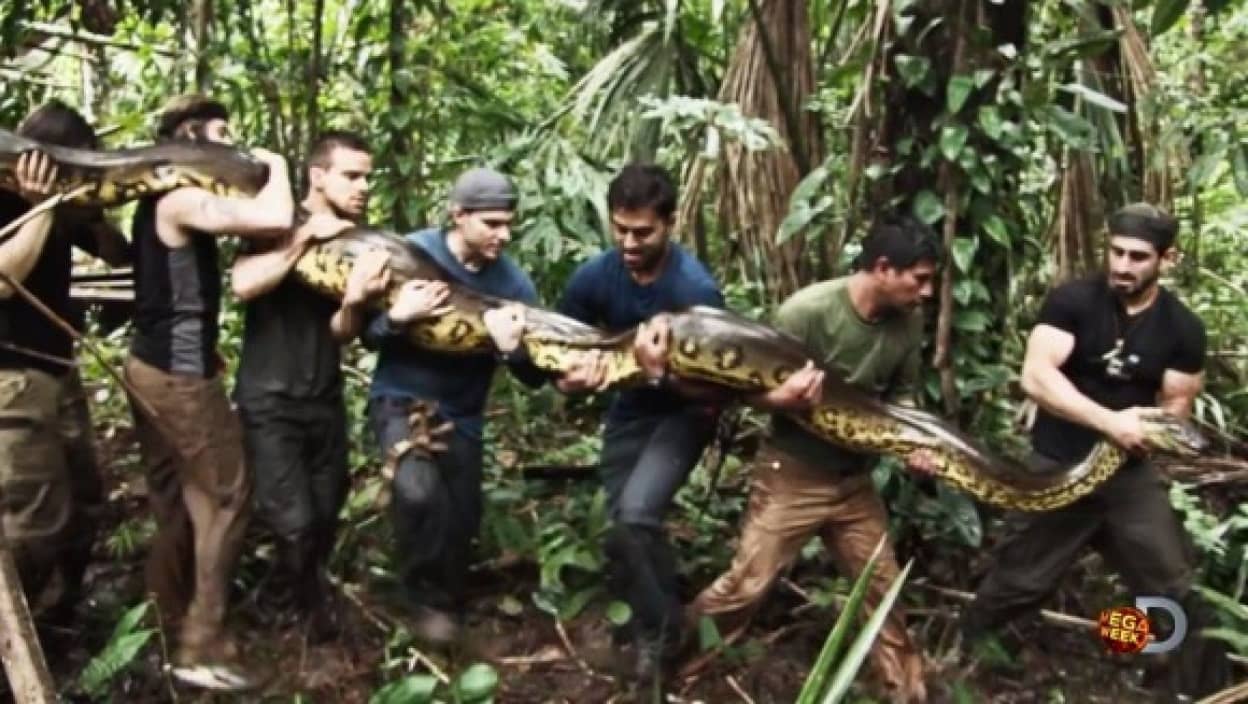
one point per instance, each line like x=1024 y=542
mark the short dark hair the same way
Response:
x=1147 y=222
x=640 y=186
x=327 y=142
x=902 y=240
x=191 y=108
x=55 y=122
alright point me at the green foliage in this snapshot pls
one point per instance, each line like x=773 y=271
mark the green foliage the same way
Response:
x=828 y=685
x=125 y=643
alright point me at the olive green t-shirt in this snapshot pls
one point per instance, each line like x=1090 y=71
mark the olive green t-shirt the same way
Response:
x=881 y=358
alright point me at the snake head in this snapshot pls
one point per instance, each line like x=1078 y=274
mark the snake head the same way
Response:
x=1173 y=435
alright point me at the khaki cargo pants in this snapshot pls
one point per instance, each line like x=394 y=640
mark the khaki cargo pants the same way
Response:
x=200 y=493
x=49 y=482
x=789 y=503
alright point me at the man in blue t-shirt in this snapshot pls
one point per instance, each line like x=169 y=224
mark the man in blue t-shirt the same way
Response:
x=653 y=435
x=436 y=503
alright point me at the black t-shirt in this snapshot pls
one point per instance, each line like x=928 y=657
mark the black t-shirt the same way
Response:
x=288 y=350
x=20 y=324
x=1166 y=335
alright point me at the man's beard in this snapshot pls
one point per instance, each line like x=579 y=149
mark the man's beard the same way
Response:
x=1131 y=292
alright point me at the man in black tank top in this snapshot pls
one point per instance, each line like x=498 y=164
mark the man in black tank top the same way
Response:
x=1103 y=348
x=50 y=488
x=198 y=484
x=289 y=387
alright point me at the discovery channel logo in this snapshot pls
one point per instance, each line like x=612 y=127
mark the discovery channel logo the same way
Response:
x=1126 y=629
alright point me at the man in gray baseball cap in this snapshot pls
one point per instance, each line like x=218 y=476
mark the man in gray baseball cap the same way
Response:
x=436 y=503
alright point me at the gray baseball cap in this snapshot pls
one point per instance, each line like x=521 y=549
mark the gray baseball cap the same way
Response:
x=483 y=189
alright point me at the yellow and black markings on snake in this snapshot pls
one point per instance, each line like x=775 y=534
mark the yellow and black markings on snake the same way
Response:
x=709 y=344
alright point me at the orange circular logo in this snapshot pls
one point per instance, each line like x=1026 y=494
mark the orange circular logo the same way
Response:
x=1124 y=629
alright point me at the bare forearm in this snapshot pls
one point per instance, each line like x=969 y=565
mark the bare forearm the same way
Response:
x=258 y=274
x=276 y=198
x=1053 y=392
x=346 y=323
x=19 y=255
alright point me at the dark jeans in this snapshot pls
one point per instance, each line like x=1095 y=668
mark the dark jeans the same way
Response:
x=1130 y=521
x=297 y=451
x=436 y=508
x=644 y=462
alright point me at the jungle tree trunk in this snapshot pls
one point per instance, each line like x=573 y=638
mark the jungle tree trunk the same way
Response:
x=201 y=24
x=771 y=76
x=399 y=143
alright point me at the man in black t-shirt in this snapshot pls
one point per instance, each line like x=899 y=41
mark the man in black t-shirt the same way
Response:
x=289 y=386
x=1104 y=348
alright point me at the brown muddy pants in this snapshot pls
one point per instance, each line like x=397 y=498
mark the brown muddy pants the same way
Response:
x=200 y=492
x=789 y=503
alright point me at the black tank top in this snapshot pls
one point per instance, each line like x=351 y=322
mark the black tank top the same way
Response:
x=21 y=326
x=177 y=296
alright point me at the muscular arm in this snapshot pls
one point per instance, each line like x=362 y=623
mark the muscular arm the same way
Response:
x=1179 y=390
x=20 y=253
x=269 y=214
x=254 y=275
x=1048 y=348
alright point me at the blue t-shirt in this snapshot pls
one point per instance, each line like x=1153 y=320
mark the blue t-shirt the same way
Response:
x=602 y=293
x=458 y=383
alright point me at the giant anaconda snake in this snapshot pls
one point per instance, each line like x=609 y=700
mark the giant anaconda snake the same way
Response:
x=707 y=345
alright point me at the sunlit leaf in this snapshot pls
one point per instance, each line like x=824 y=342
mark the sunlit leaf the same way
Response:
x=952 y=139
x=928 y=208
x=959 y=90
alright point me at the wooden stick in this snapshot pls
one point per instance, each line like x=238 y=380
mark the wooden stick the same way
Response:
x=567 y=645
x=46 y=204
x=1230 y=695
x=737 y=688
x=19 y=644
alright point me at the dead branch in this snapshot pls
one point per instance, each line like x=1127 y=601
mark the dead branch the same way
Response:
x=19 y=646
x=737 y=688
x=571 y=651
x=1230 y=695
x=85 y=37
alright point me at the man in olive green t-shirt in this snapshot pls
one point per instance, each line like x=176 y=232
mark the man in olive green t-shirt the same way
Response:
x=867 y=326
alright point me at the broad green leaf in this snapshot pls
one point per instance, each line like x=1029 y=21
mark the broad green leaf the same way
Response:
x=990 y=121
x=800 y=217
x=913 y=69
x=1095 y=97
x=708 y=634
x=995 y=228
x=982 y=76
x=959 y=90
x=927 y=207
x=576 y=603
x=619 y=613
x=477 y=683
x=952 y=139
x=414 y=689
x=964 y=249
x=972 y=321
x=1165 y=14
